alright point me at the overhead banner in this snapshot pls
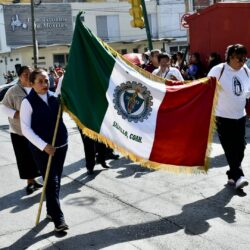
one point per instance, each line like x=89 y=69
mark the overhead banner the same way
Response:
x=53 y=24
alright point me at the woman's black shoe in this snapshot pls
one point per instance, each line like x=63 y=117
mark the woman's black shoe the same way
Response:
x=37 y=184
x=111 y=156
x=90 y=172
x=104 y=165
x=30 y=189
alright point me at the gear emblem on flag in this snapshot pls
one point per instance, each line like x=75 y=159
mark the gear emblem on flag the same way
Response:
x=133 y=101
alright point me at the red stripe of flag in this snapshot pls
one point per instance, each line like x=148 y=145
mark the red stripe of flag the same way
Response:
x=183 y=122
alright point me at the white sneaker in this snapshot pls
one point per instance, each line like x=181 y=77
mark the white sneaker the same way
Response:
x=241 y=182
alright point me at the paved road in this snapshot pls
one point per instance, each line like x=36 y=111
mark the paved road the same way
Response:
x=126 y=207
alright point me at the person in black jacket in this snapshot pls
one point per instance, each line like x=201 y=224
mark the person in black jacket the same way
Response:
x=38 y=115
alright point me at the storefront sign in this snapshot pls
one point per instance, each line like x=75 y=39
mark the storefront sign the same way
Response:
x=53 y=24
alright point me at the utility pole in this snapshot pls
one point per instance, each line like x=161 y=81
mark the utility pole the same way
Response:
x=33 y=34
x=187 y=9
x=145 y=15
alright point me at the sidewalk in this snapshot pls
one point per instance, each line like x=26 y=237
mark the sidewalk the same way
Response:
x=126 y=207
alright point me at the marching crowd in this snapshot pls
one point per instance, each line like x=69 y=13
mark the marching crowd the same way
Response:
x=31 y=102
x=175 y=67
x=9 y=76
x=234 y=77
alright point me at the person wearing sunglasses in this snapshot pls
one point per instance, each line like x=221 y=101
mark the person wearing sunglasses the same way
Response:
x=234 y=78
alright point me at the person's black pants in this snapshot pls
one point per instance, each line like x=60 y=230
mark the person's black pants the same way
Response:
x=231 y=133
x=54 y=180
x=91 y=148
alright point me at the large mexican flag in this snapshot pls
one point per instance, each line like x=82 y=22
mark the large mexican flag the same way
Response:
x=159 y=126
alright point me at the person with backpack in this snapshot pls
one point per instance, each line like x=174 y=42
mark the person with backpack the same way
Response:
x=234 y=78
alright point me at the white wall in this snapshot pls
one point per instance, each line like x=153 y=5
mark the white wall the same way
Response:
x=127 y=33
x=3 y=48
x=169 y=20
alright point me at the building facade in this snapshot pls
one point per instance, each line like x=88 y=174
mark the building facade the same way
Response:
x=108 y=19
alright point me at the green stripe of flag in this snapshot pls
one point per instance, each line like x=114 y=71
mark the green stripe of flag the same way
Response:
x=87 y=77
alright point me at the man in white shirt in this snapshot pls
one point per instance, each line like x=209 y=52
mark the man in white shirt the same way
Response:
x=234 y=78
x=165 y=71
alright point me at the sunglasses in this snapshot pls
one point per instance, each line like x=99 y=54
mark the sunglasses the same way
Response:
x=241 y=59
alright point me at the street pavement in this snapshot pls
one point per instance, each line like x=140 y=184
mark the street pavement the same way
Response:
x=127 y=206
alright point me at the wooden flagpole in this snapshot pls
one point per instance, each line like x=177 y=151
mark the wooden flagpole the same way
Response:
x=48 y=166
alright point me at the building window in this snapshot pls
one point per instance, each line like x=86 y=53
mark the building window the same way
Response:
x=124 y=51
x=17 y=59
x=41 y=57
x=11 y=59
x=135 y=50
x=182 y=48
x=60 y=60
x=200 y=4
x=108 y=28
x=173 y=49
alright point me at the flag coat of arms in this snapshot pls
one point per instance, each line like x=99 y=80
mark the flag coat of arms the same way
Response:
x=128 y=109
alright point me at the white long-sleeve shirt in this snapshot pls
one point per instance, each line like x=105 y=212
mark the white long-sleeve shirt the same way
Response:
x=9 y=112
x=25 y=118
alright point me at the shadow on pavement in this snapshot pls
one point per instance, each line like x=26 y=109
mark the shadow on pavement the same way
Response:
x=248 y=130
x=80 y=165
x=129 y=168
x=218 y=161
x=73 y=167
x=31 y=237
x=193 y=220
x=20 y=201
x=216 y=138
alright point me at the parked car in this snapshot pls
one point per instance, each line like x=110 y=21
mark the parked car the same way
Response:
x=5 y=87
